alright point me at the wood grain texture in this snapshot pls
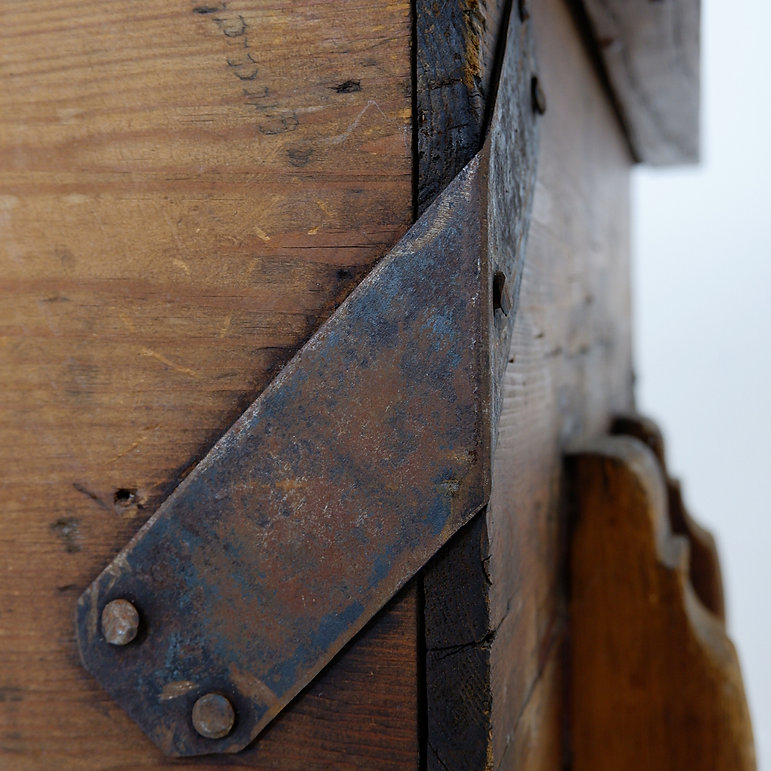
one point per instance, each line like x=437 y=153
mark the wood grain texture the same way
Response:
x=651 y=55
x=458 y=45
x=655 y=681
x=495 y=599
x=704 y=564
x=457 y=50
x=540 y=741
x=187 y=190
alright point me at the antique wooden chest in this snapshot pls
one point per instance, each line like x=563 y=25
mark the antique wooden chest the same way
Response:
x=420 y=547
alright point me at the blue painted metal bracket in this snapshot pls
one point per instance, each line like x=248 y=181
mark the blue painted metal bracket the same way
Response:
x=366 y=453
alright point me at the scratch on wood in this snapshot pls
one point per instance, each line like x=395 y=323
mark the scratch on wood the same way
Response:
x=127 y=322
x=11 y=693
x=349 y=87
x=68 y=530
x=138 y=442
x=144 y=351
x=181 y=265
x=206 y=9
x=83 y=490
x=261 y=234
x=324 y=207
x=340 y=138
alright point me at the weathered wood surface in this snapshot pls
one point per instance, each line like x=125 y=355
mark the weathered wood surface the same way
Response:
x=655 y=681
x=458 y=45
x=651 y=55
x=183 y=200
x=539 y=739
x=494 y=600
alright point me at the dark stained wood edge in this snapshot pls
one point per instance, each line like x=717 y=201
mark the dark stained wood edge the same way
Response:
x=459 y=636
x=651 y=55
x=493 y=598
x=456 y=50
x=655 y=680
x=459 y=49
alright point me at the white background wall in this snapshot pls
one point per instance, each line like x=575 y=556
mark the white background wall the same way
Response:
x=702 y=250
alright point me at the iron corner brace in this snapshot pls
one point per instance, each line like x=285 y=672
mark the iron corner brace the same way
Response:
x=355 y=465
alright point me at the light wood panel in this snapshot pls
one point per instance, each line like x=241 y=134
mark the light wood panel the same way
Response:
x=571 y=362
x=651 y=54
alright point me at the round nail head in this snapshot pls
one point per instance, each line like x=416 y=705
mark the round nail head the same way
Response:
x=120 y=622
x=539 y=98
x=213 y=716
x=501 y=299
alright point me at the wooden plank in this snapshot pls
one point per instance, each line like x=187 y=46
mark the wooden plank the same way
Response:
x=183 y=199
x=457 y=50
x=650 y=52
x=540 y=739
x=494 y=599
x=655 y=681
x=457 y=46
x=704 y=564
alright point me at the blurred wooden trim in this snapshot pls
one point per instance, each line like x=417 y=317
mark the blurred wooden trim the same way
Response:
x=655 y=681
x=651 y=53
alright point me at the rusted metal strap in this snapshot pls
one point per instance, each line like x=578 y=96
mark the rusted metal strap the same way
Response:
x=366 y=453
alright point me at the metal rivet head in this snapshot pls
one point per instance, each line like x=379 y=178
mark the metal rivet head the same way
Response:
x=539 y=98
x=213 y=716
x=120 y=622
x=501 y=299
x=524 y=10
